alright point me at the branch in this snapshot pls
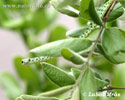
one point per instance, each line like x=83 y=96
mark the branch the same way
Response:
x=112 y=88
x=105 y=19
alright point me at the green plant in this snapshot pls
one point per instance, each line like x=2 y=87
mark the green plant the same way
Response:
x=93 y=43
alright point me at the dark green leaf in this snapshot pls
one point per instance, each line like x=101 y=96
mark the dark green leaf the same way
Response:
x=10 y=86
x=57 y=75
x=116 y=13
x=93 y=13
x=113 y=42
x=54 y=48
x=122 y=3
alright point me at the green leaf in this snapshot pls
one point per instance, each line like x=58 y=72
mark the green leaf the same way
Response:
x=56 y=91
x=63 y=7
x=57 y=33
x=122 y=3
x=57 y=75
x=75 y=95
x=54 y=48
x=28 y=74
x=113 y=43
x=101 y=83
x=72 y=56
x=29 y=97
x=75 y=72
x=82 y=21
x=116 y=13
x=10 y=86
x=87 y=85
x=118 y=77
x=84 y=9
x=93 y=13
x=41 y=19
x=76 y=32
x=25 y=72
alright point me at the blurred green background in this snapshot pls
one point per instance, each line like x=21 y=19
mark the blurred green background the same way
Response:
x=23 y=28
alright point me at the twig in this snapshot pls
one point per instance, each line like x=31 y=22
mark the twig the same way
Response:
x=112 y=88
x=109 y=11
x=86 y=65
x=96 y=41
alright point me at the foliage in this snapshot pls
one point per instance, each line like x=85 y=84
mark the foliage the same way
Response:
x=47 y=81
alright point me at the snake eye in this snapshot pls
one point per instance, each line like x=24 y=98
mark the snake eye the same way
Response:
x=22 y=62
x=29 y=60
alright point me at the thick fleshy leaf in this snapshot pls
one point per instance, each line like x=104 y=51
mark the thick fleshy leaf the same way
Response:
x=63 y=7
x=75 y=72
x=76 y=32
x=113 y=43
x=54 y=48
x=10 y=86
x=87 y=85
x=72 y=56
x=29 y=97
x=57 y=33
x=93 y=13
x=57 y=75
x=116 y=13
x=56 y=91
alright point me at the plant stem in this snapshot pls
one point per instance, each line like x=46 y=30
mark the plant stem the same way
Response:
x=86 y=65
x=109 y=11
x=112 y=88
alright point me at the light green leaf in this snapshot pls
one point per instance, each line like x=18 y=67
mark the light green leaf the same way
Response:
x=75 y=72
x=113 y=43
x=116 y=13
x=93 y=13
x=57 y=33
x=101 y=83
x=57 y=75
x=63 y=7
x=72 y=56
x=75 y=95
x=54 y=48
x=84 y=9
x=56 y=91
x=29 y=97
x=87 y=85
x=118 y=77
x=76 y=32
x=10 y=86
